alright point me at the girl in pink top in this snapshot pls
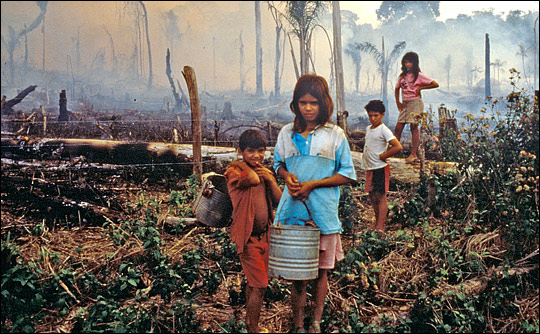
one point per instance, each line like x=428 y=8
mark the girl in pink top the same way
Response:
x=411 y=81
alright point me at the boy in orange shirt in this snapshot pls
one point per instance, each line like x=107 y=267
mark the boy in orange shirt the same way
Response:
x=254 y=192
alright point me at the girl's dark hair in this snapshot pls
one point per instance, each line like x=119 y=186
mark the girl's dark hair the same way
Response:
x=317 y=87
x=413 y=58
x=252 y=138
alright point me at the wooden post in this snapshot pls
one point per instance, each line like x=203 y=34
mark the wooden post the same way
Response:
x=191 y=81
x=338 y=63
x=41 y=109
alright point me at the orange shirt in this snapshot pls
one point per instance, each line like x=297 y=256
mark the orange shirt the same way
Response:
x=242 y=184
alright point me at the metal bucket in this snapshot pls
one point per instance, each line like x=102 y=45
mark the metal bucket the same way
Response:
x=294 y=252
x=213 y=206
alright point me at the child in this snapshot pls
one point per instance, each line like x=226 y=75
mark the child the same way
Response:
x=411 y=81
x=378 y=138
x=254 y=192
x=313 y=156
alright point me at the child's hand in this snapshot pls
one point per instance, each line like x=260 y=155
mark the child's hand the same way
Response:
x=382 y=157
x=264 y=173
x=292 y=183
x=304 y=190
x=399 y=105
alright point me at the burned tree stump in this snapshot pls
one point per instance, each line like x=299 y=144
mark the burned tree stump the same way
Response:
x=447 y=122
x=64 y=113
x=227 y=112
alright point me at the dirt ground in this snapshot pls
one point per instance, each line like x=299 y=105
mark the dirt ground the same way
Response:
x=71 y=199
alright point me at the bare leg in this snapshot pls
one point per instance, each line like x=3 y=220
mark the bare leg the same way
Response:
x=380 y=206
x=254 y=299
x=398 y=130
x=321 y=289
x=415 y=141
x=298 y=301
x=374 y=204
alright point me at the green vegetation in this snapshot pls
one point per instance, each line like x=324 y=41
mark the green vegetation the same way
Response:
x=456 y=263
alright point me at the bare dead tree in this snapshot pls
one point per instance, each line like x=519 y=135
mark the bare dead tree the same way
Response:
x=258 y=48
x=14 y=37
x=145 y=16
x=113 y=55
x=177 y=99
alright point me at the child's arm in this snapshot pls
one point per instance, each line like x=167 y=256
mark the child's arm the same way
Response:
x=398 y=103
x=307 y=187
x=240 y=175
x=268 y=176
x=431 y=85
x=290 y=179
x=395 y=147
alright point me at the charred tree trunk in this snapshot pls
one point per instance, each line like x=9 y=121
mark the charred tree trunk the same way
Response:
x=241 y=65
x=7 y=106
x=64 y=113
x=177 y=100
x=488 y=76
x=145 y=14
x=276 y=73
x=258 y=47
x=386 y=118
x=113 y=55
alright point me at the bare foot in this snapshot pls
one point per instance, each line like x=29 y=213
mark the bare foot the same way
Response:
x=411 y=159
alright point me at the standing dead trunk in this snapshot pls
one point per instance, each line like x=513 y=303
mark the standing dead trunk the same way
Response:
x=64 y=113
x=293 y=58
x=241 y=65
x=276 y=73
x=177 y=100
x=113 y=55
x=191 y=81
x=488 y=77
x=258 y=47
x=150 y=77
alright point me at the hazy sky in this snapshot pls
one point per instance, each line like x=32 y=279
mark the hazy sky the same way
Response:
x=206 y=28
x=366 y=10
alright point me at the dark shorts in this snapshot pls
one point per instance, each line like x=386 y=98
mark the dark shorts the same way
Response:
x=254 y=261
x=378 y=180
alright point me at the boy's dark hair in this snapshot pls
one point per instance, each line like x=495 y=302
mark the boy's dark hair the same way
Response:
x=375 y=106
x=252 y=138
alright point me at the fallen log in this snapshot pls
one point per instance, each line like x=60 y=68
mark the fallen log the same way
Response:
x=113 y=152
x=7 y=106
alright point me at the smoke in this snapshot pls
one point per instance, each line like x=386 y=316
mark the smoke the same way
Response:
x=461 y=40
x=195 y=31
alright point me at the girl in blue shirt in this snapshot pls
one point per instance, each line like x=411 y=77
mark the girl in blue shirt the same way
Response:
x=313 y=156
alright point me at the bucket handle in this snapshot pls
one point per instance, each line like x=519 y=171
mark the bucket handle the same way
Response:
x=303 y=202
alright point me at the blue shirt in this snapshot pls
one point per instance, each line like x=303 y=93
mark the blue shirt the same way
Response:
x=324 y=153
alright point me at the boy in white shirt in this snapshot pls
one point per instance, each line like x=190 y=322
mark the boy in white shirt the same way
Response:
x=380 y=145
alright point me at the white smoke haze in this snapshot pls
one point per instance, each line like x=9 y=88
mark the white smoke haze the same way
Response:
x=196 y=30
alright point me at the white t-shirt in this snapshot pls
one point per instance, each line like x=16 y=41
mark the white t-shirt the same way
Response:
x=376 y=143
